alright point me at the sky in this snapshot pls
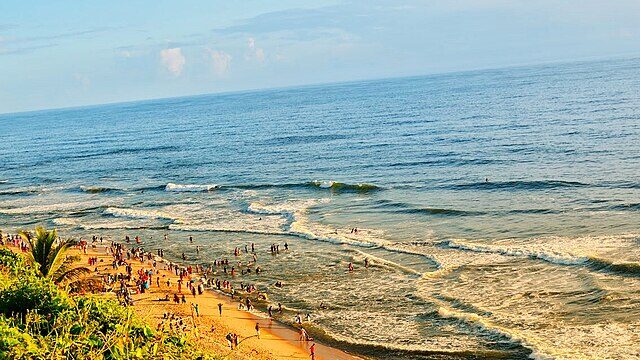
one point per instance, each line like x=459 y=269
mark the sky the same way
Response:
x=73 y=53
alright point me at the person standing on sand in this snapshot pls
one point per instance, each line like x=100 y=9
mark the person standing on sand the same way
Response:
x=229 y=338
x=220 y=308
x=312 y=351
x=258 y=330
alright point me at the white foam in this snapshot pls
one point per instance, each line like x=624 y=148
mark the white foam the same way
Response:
x=308 y=229
x=101 y=225
x=522 y=250
x=139 y=213
x=228 y=219
x=486 y=324
x=288 y=208
x=378 y=261
x=324 y=183
x=560 y=250
x=48 y=208
x=190 y=187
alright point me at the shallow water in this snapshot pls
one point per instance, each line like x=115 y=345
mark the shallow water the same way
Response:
x=499 y=208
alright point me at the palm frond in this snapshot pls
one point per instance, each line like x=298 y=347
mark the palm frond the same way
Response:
x=48 y=254
x=71 y=276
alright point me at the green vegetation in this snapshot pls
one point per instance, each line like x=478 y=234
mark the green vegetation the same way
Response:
x=48 y=255
x=40 y=320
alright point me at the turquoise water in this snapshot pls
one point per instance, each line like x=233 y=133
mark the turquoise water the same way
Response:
x=499 y=208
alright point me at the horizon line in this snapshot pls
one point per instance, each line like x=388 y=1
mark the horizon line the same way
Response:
x=594 y=58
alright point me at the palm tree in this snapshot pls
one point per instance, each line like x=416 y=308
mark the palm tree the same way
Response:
x=47 y=254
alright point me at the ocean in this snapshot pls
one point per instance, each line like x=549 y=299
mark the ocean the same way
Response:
x=499 y=209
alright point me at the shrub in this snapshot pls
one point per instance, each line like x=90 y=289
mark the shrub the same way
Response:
x=14 y=344
x=31 y=293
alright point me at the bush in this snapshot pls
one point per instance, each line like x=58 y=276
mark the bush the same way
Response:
x=31 y=293
x=13 y=262
x=14 y=344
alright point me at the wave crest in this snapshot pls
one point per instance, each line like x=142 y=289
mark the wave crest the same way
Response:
x=95 y=189
x=549 y=256
x=340 y=186
x=190 y=187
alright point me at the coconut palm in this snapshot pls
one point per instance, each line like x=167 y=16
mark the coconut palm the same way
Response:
x=47 y=252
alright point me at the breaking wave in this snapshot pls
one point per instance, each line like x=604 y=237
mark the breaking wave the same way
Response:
x=339 y=186
x=334 y=186
x=555 y=257
x=190 y=187
x=622 y=268
x=546 y=255
x=96 y=189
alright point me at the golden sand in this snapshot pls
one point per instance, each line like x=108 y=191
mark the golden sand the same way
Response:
x=208 y=331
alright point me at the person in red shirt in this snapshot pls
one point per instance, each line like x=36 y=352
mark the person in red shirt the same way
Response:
x=312 y=351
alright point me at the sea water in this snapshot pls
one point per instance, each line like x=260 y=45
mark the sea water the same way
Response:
x=499 y=208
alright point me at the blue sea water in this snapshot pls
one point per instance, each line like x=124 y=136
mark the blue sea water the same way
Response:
x=499 y=208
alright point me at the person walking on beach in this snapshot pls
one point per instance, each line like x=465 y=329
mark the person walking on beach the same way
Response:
x=258 y=330
x=312 y=351
x=220 y=308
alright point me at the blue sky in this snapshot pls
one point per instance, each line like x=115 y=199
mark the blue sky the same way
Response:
x=70 y=53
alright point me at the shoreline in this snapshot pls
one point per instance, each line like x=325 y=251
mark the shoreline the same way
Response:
x=278 y=340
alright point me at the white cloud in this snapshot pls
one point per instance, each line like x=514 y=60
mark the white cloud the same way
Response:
x=173 y=60
x=221 y=61
x=82 y=79
x=254 y=51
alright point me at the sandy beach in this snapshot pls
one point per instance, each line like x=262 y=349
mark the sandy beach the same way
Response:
x=208 y=330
